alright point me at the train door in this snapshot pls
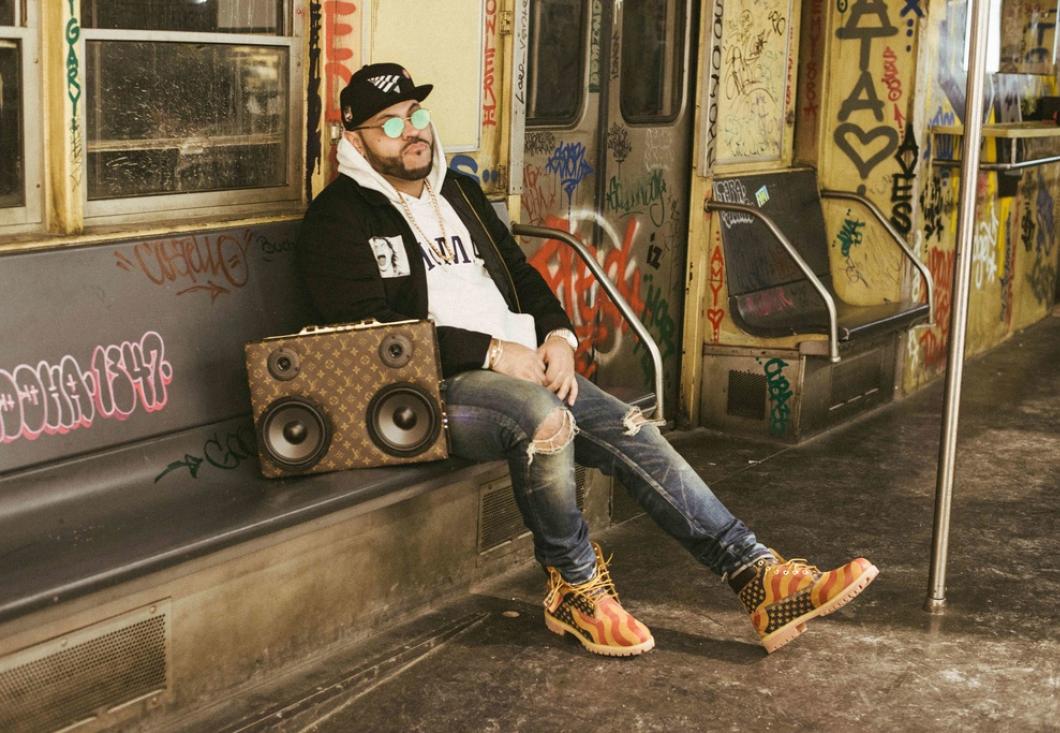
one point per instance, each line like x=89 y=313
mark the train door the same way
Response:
x=607 y=156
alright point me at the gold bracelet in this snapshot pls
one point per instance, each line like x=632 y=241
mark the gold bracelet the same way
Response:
x=494 y=354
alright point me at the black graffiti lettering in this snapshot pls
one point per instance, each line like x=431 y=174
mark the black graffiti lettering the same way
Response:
x=906 y=156
x=900 y=217
x=217 y=455
x=225 y=452
x=863 y=96
x=854 y=30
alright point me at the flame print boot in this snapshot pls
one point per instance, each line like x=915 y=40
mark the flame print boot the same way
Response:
x=782 y=595
x=591 y=613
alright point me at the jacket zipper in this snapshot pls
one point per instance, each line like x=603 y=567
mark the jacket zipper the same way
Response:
x=495 y=247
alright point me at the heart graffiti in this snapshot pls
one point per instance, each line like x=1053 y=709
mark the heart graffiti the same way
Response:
x=888 y=135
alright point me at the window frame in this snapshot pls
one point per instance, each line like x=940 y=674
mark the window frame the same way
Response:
x=222 y=202
x=679 y=59
x=26 y=31
x=571 y=122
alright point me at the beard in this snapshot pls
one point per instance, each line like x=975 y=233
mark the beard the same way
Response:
x=395 y=167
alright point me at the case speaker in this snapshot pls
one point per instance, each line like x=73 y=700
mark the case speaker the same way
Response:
x=348 y=396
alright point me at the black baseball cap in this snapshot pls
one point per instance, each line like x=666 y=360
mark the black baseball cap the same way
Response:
x=375 y=87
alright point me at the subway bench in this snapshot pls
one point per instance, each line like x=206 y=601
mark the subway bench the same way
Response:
x=780 y=285
x=137 y=537
x=146 y=567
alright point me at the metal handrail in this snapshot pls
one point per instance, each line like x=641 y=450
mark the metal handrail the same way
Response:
x=527 y=230
x=924 y=271
x=829 y=301
x=1033 y=163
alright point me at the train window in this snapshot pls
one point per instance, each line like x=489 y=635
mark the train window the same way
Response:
x=557 y=50
x=202 y=16
x=180 y=117
x=20 y=125
x=12 y=190
x=652 y=54
x=180 y=108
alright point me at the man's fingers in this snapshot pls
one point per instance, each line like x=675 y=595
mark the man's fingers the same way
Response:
x=563 y=389
x=573 y=390
x=555 y=379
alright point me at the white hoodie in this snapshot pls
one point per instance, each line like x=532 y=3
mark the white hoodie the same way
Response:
x=461 y=294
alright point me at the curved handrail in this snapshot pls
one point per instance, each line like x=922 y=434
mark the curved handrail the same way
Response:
x=924 y=272
x=829 y=301
x=527 y=230
x=1033 y=163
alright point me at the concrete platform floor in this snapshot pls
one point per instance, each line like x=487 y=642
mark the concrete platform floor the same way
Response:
x=990 y=663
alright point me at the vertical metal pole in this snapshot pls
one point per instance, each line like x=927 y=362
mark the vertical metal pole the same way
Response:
x=973 y=129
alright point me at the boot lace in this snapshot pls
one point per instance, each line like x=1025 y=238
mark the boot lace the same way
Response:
x=796 y=565
x=590 y=590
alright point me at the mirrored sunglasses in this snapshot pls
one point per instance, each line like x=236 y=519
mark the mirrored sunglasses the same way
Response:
x=394 y=126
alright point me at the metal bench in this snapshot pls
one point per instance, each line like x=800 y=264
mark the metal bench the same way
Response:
x=136 y=532
x=126 y=442
x=777 y=266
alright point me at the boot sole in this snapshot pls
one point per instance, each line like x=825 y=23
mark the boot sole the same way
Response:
x=560 y=628
x=797 y=626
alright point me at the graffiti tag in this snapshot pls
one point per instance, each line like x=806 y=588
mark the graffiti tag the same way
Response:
x=55 y=398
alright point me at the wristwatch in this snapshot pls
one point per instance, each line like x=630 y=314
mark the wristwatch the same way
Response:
x=566 y=334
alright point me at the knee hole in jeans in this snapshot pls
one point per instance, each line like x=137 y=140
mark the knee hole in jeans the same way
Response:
x=554 y=434
x=635 y=419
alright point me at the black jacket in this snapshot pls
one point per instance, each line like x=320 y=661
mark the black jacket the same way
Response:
x=339 y=270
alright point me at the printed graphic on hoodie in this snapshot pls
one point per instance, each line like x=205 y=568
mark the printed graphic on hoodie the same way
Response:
x=390 y=256
x=456 y=248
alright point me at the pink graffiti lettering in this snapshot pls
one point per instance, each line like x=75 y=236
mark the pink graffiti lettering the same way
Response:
x=489 y=96
x=215 y=264
x=716 y=313
x=53 y=399
x=596 y=322
x=810 y=92
x=538 y=200
x=890 y=75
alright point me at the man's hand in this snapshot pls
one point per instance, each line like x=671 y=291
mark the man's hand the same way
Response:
x=520 y=362
x=558 y=358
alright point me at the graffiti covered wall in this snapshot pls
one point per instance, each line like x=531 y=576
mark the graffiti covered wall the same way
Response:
x=1013 y=252
x=335 y=31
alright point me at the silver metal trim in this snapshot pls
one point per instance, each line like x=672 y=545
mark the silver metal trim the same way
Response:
x=219 y=38
x=962 y=274
x=520 y=40
x=1034 y=163
x=829 y=301
x=924 y=271
x=526 y=230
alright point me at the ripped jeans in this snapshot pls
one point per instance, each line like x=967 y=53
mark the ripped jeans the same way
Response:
x=493 y=416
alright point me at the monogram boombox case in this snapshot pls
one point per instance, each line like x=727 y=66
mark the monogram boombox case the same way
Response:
x=353 y=395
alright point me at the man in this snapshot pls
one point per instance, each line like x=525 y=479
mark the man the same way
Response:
x=511 y=391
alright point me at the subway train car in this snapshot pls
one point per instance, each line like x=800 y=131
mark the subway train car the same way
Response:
x=769 y=188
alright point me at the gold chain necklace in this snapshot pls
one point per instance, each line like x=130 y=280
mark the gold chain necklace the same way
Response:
x=444 y=255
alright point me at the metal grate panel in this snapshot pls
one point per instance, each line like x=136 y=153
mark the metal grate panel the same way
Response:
x=747 y=395
x=855 y=379
x=499 y=519
x=62 y=682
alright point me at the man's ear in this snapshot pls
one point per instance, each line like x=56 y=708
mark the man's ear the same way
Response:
x=355 y=140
